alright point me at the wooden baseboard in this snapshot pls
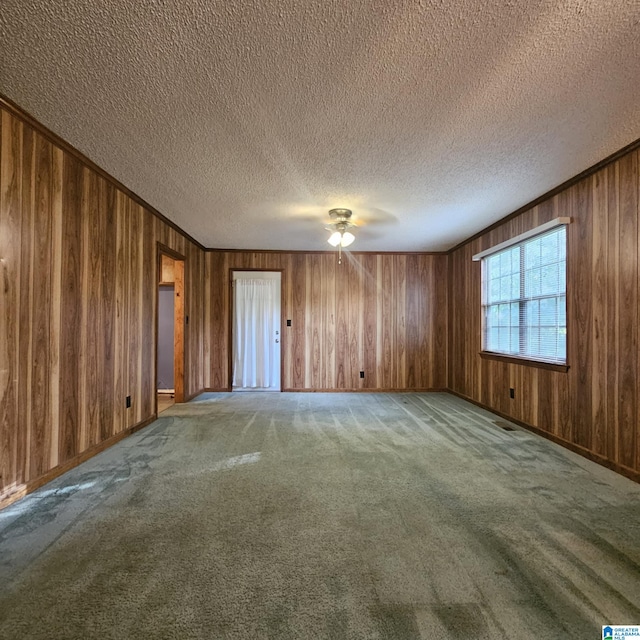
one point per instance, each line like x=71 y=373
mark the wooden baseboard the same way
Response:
x=632 y=474
x=371 y=390
x=15 y=493
x=358 y=390
x=194 y=395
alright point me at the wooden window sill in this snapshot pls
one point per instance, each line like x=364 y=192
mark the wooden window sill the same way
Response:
x=526 y=362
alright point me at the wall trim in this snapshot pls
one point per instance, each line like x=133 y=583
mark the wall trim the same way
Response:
x=21 y=491
x=55 y=139
x=325 y=251
x=566 y=444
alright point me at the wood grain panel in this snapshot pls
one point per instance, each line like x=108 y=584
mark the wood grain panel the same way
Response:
x=598 y=325
x=579 y=273
x=295 y=335
x=369 y=329
x=593 y=407
x=438 y=304
x=78 y=268
x=107 y=204
x=628 y=318
x=91 y=356
x=71 y=310
x=29 y=316
x=414 y=363
x=10 y=223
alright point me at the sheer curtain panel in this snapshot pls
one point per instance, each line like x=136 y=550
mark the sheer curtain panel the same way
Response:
x=256 y=361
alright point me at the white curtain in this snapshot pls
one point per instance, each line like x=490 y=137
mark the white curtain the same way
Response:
x=256 y=361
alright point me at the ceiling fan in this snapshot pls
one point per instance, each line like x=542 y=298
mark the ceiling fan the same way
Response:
x=340 y=237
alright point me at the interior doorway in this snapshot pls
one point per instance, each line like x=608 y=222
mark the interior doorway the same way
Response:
x=256 y=317
x=170 y=329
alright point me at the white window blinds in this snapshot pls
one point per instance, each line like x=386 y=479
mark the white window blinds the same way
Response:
x=524 y=298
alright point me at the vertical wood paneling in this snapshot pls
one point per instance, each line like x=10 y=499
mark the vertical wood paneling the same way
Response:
x=123 y=297
x=354 y=324
x=599 y=326
x=593 y=407
x=580 y=291
x=399 y=324
x=439 y=304
x=71 y=311
x=56 y=308
x=10 y=224
x=77 y=307
x=313 y=333
x=369 y=330
x=134 y=263
x=29 y=316
x=628 y=319
x=295 y=335
x=383 y=314
x=219 y=318
x=612 y=307
x=108 y=203
x=413 y=299
x=327 y=338
x=91 y=356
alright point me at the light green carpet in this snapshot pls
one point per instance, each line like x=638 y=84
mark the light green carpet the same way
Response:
x=253 y=515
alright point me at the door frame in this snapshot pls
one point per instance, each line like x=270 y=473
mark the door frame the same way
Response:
x=179 y=326
x=231 y=310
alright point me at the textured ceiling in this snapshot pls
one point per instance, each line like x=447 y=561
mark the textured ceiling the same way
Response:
x=244 y=122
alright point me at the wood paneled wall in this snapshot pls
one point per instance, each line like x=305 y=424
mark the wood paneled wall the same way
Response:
x=593 y=407
x=78 y=295
x=384 y=314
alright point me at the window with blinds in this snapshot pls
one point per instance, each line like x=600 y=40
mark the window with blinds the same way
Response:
x=524 y=301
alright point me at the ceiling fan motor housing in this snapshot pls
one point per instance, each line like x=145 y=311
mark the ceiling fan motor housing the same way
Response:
x=341 y=217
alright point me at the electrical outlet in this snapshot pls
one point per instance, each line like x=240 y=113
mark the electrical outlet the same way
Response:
x=362 y=374
x=128 y=402
x=288 y=323
x=512 y=393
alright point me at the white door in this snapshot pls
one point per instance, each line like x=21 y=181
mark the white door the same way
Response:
x=256 y=330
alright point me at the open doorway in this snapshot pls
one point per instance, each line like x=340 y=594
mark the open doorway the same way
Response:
x=170 y=329
x=255 y=329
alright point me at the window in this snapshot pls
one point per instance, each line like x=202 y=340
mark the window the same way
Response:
x=524 y=298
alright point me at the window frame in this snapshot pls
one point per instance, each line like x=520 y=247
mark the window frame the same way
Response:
x=519 y=241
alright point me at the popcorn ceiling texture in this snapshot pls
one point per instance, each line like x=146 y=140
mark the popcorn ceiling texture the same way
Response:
x=244 y=122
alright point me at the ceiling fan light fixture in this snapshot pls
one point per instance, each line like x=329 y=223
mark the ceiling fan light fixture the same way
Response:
x=347 y=238
x=335 y=238
x=340 y=237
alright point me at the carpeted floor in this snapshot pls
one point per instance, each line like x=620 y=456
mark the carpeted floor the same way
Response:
x=288 y=516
